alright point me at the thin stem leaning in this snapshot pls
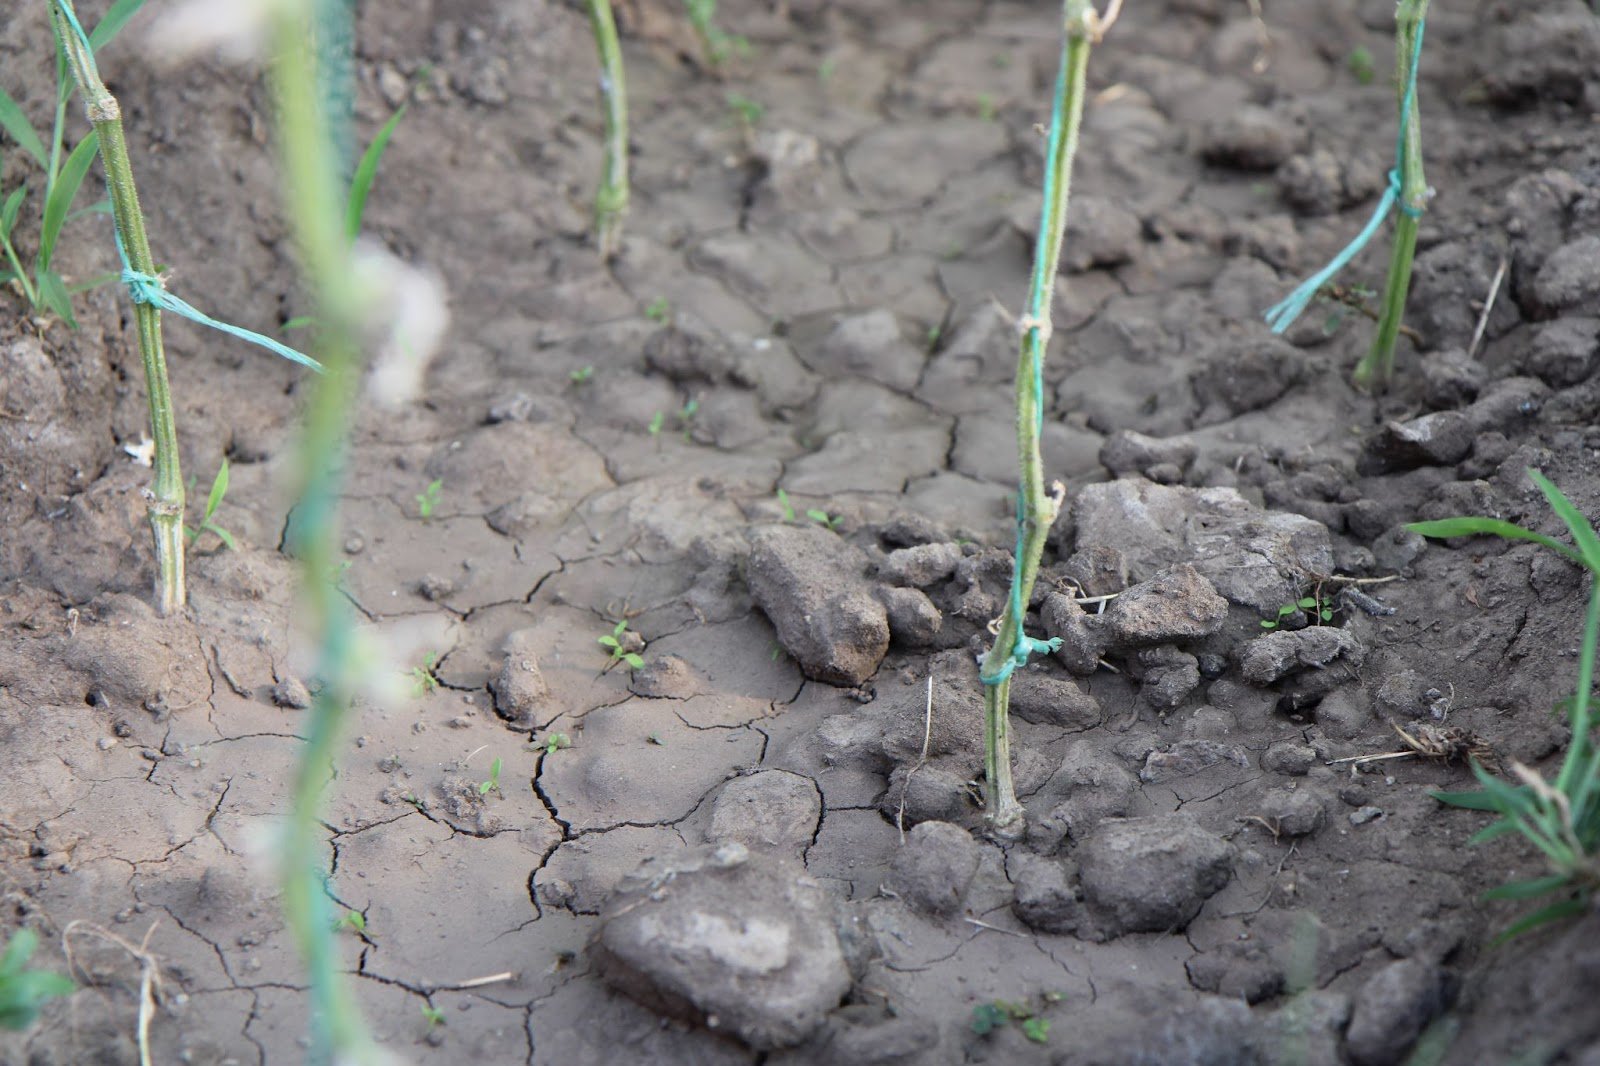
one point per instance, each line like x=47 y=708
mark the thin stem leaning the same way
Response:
x=166 y=497
x=314 y=204
x=611 y=198
x=1379 y=362
x=1036 y=510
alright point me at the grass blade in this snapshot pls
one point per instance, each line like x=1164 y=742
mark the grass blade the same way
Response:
x=367 y=172
x=59 y=202
x=219 y=489
x=1583 y=534
x=53 y=294
x=8 y=213
x=1537 y=886
x=15 y=123
x=1467 y=527
x=111 y=24
x=1543 y=916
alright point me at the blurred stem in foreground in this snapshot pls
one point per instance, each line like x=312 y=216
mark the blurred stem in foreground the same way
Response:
x=315 y=205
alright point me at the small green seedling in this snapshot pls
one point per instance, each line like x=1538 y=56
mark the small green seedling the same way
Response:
x=1560 y=817
x=613 y=640
x=23 y=991
x=746 y=112
x=821 y=517
x=423 y=679
x=428 y=498
x=686 y=417
x=1319 y=609
x=354 y=921
x=986 y=107
x=788 y=508
x=555 y=742
x=219 y=489
x=493 y=784
x=826 y=68
x=657 y=420
x=1360 y=65
x=581 y=375
x=434 y=1016
x=716 y=44
x=655 y=738
x=987 y=1017
x=366 y=173
x=659 y=310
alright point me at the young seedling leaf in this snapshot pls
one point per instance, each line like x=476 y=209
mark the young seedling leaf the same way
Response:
x=1583 y=534
x=59 y=200
x=8 y=212
x=1529 y=889
x=53 y=295
x=1467 y=527
x=17 y=126
x=116 y=17
x=1543 y=916
x=987 y=1017
x=219 y=489
x=1037 y=1030
x=609 y=641
x=367 y=172
x=633 y=660
x=222 y=535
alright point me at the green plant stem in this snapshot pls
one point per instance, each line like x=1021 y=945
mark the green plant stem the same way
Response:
x=1038 y=510
x=166 y=497
x=314 y=203
x=611 y=199
x=21 y=275
x=1378 y=365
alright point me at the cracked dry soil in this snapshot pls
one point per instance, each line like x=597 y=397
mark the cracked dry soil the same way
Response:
x=1198 y=885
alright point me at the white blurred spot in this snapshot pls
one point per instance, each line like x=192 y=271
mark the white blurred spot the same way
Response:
x=406 y=316
x=143 y=453
x=235 y=28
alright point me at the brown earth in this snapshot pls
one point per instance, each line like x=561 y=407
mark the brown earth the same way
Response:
x=830 y=273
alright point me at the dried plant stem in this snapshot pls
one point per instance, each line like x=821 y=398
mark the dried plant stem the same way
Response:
x=1037 y=510
x=1379 y=362
x=166 y=498
x=314 y=203
x=611 y=199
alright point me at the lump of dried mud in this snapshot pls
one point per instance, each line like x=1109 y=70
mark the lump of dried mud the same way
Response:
x=1043 y=894
x=772 y=810
x=1250 y=556
x=1251 y=138
x=1176 y=604
x=914 y=621
x=738 y=941
x=934 y=869
x=1392 y=1009
x=519 y=689
x=1275 y=656
x=809 y=582
x=1148 y=875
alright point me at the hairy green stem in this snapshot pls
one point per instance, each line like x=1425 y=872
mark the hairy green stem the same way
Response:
x=1037 y=510
x=1379 y=362
x=314 y=204
x=611 y=199
x=166 y=497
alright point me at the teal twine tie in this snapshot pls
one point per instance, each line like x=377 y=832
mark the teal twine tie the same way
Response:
x=149 y=289
x=1281 y=315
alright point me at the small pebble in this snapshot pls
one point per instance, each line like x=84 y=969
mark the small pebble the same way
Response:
x=1363 y=815
x=106 y=743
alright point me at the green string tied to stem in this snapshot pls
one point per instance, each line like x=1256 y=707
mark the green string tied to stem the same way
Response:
x=1281 y=315
x=149 y=288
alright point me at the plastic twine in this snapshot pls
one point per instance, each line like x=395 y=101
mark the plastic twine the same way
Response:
x=1281 y=315
x=1035 y=328
x=148 y=288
